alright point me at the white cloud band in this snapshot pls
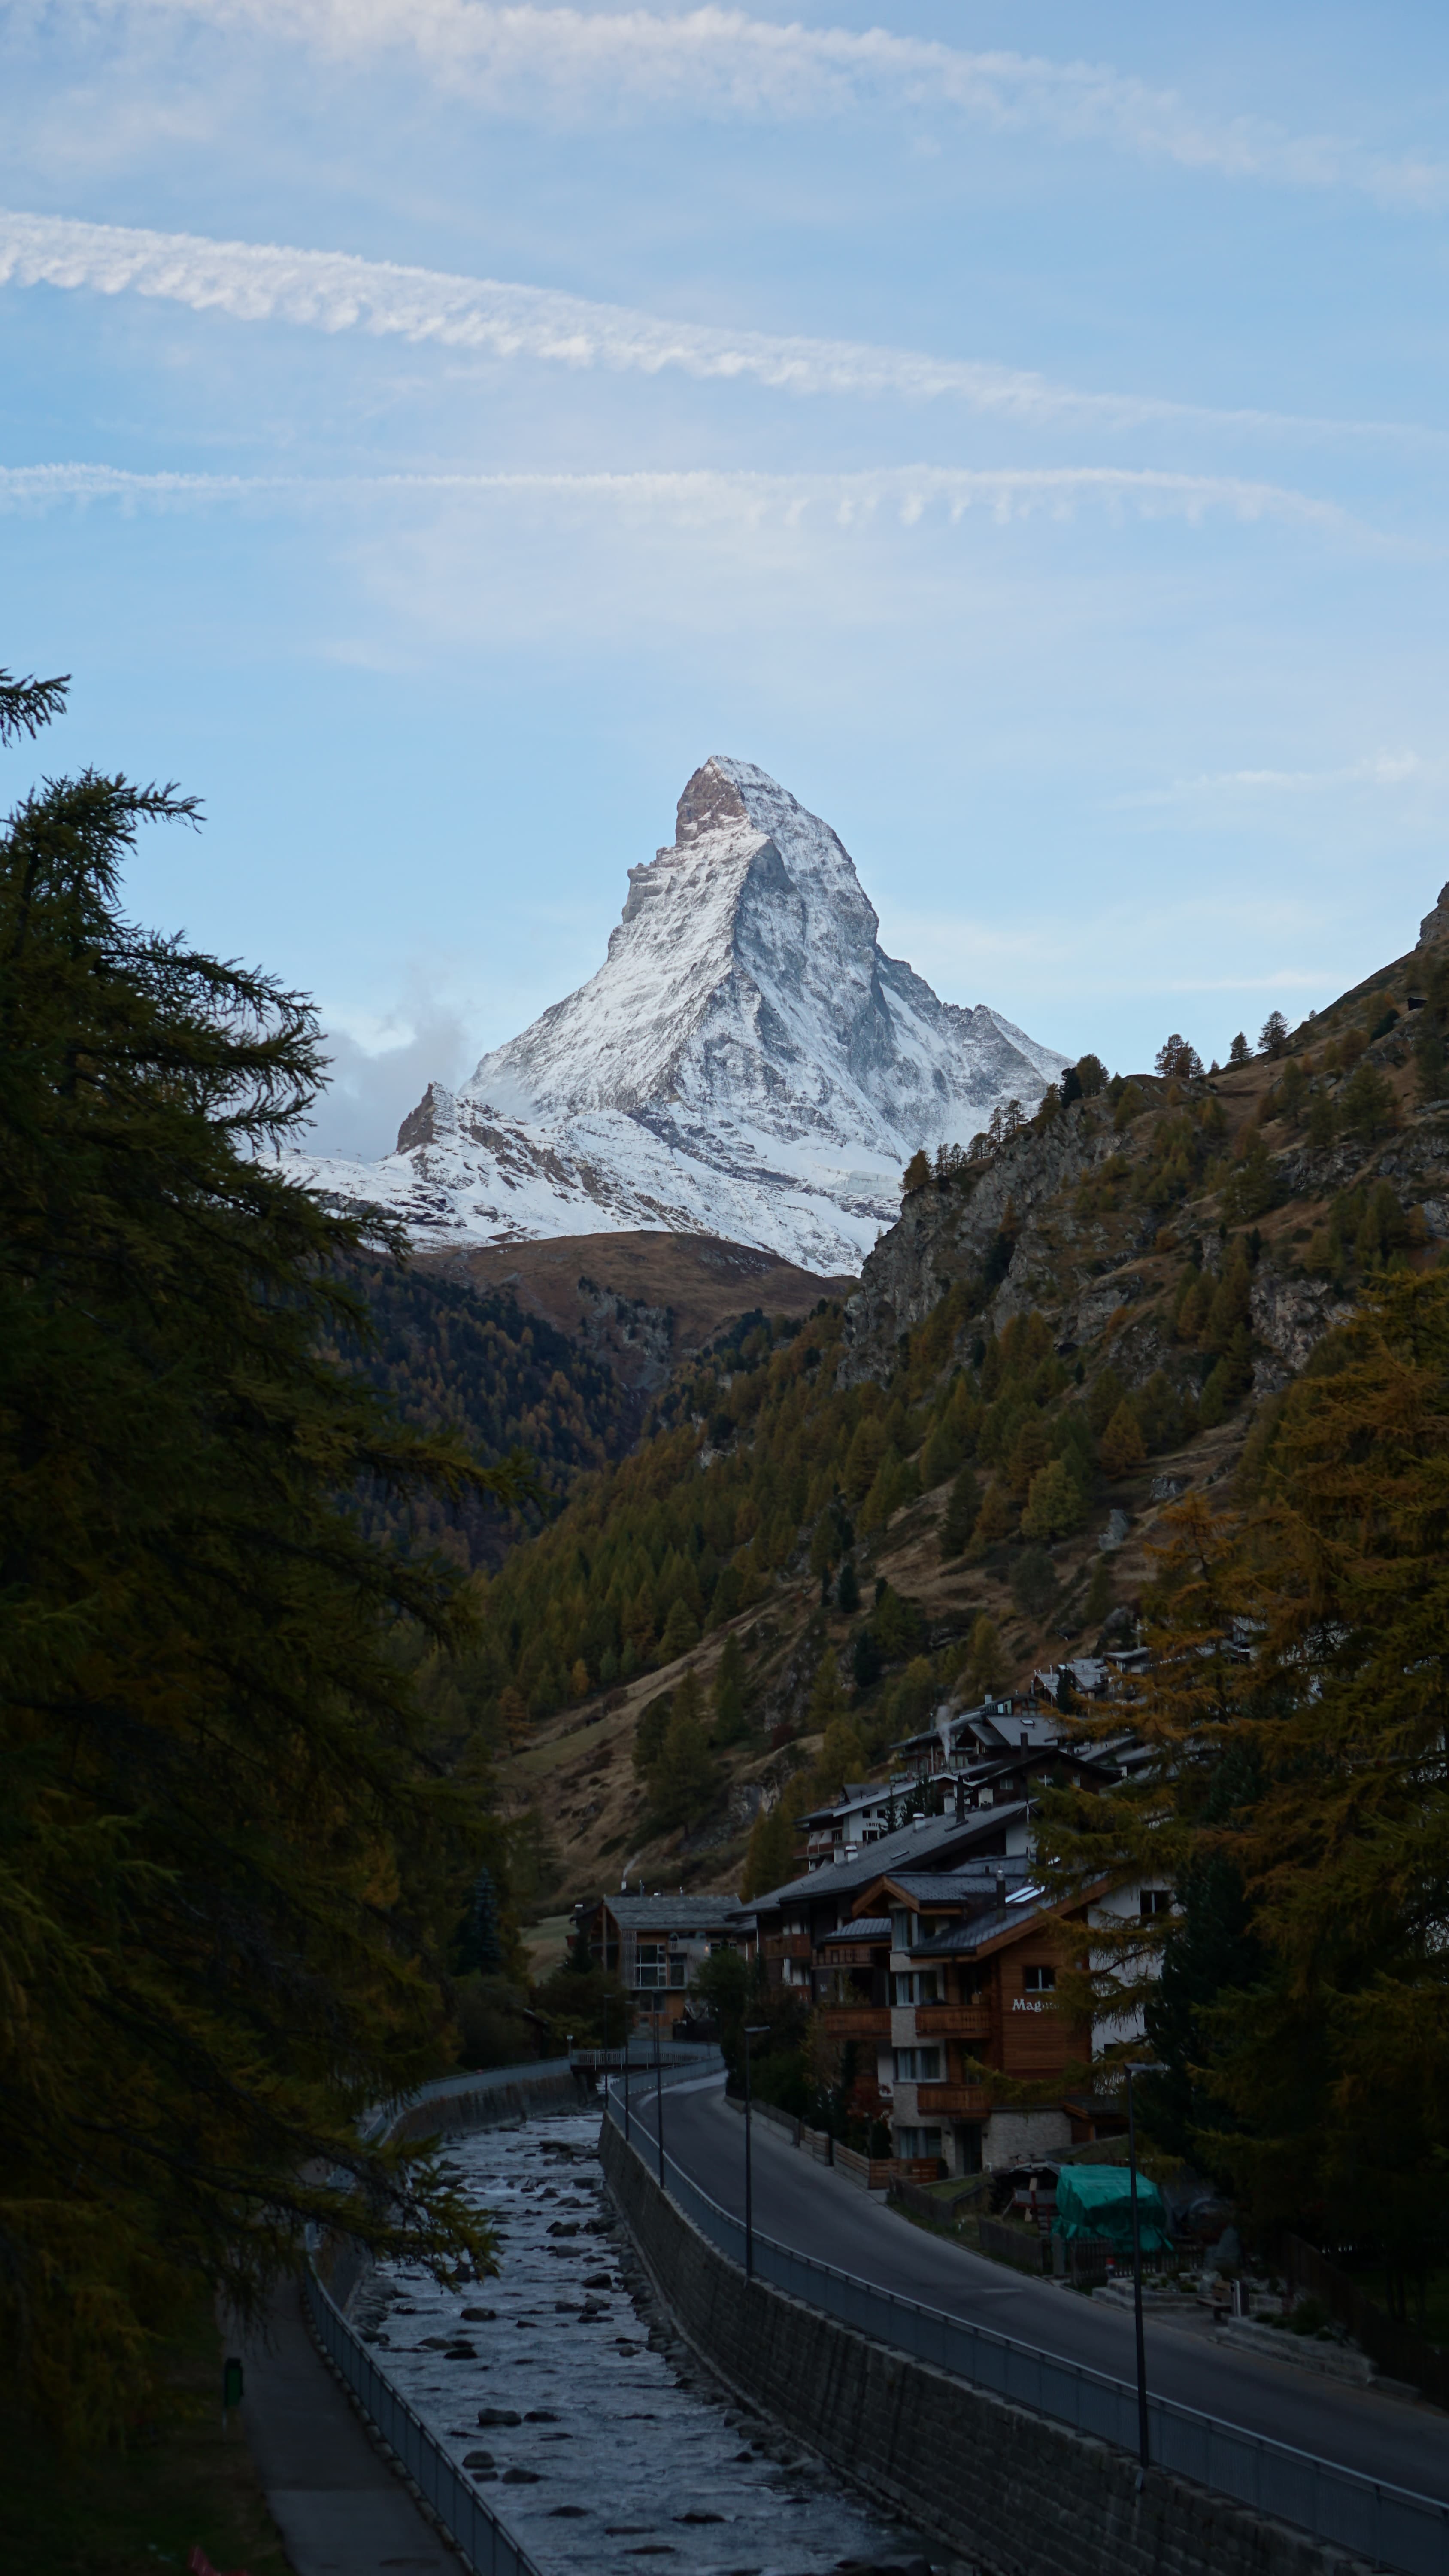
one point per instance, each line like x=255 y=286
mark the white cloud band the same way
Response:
x=724 y=62
x=902 y=494
x=332 y=291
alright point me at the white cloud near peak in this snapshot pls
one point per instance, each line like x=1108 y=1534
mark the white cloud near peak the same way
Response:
x=1384 y=769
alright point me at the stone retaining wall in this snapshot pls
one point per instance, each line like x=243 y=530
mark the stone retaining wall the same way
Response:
x=477 y=2107
x=1014 y=2492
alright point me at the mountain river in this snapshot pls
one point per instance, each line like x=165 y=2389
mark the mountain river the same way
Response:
x=599 y=2439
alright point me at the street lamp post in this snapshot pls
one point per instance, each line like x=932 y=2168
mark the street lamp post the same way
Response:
x=1142 y=2445
x=753 y=2030
x=606 y=2055
x=659 y=2097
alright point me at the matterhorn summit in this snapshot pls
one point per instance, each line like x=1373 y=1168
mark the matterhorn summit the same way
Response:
x=746 y=1062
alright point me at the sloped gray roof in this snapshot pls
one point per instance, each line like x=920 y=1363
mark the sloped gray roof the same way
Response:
x=672 y=1913
x=954 y=1886
x=864 y=1927
x=938 y=1837
x=961 y=1939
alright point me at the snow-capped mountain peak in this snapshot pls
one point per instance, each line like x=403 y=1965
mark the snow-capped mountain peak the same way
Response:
x=746 y=1062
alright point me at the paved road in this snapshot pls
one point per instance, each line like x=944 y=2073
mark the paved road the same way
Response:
x=815 y=2210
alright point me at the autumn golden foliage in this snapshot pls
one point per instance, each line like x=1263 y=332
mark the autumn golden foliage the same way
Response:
x=1295 y=1714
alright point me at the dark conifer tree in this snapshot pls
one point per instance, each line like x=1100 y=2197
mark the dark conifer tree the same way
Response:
x=228 y=1849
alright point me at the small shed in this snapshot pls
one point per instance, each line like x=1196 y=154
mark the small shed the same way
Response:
x=1096 y=2200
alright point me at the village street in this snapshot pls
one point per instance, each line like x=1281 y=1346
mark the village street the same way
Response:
x=819 y=2213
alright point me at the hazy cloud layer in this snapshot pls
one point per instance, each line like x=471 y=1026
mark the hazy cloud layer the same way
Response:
x=331 y=291
x=1381 y=769
x=903 y=494
x=724 y=63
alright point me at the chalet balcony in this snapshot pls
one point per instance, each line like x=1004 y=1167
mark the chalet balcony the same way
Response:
x=857 y=2021
x=953 y=2021
x=971 y=2101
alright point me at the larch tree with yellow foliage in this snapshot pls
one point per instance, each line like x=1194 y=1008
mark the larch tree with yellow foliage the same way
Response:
x=1298 y=1801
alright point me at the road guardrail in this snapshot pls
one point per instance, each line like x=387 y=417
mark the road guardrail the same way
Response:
x=1366 y=2517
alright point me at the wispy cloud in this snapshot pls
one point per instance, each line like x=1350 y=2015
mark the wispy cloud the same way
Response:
x=331 y=291
x=903 y=495
x=722 y=62
x=1376 y=769
x=380 y=1065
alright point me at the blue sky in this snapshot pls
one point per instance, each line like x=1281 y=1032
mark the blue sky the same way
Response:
x=428 y=430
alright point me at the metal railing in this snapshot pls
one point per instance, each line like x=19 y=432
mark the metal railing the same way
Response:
x=1365 y=2517
x=511 y=2087
x=474 y=2530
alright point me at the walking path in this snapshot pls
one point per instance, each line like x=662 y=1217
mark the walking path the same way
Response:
x=340 y=2509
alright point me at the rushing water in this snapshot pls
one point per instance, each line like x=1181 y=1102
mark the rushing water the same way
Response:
x=590 y=2429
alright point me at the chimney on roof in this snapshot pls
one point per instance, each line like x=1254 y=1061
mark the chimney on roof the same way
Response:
x=1000 y=1889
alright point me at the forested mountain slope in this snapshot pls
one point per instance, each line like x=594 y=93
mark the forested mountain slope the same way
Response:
x=1095 y=1314
x=558 y=1348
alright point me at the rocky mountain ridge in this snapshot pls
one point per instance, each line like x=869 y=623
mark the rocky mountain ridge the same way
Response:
x=1092 y=1207
x=747 y=1062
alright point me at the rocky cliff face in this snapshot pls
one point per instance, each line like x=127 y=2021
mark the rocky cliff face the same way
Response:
x=1092 y=1215
x=747 y=1062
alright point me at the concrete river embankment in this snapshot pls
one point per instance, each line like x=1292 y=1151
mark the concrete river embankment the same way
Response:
x=567 y=2398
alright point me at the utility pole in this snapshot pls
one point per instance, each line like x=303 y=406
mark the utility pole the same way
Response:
x=753 y=2030
x=659 y=2098
x=1142 y=2445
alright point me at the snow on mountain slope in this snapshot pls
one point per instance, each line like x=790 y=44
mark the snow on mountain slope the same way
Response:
x=746 y=1062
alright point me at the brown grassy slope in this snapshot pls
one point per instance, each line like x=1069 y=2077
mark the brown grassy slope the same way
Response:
x=577 y=1769
x=704 y=1280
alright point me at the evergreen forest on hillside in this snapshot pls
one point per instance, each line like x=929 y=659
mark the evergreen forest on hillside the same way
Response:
x=451 y=1357
x=662 y=1548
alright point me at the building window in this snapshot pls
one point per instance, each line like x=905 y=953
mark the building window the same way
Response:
x=1038 y=1981
x=917 y=2142
x=1154 y=1900
x=918 y=2065
x=915 y=1986
x=901 y=1930
x=651 y=1966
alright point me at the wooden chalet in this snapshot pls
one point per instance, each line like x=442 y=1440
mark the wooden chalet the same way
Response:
x=656 y=1943
x=972 y=1963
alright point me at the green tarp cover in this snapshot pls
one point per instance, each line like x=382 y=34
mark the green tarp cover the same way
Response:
x=1095 y=2200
